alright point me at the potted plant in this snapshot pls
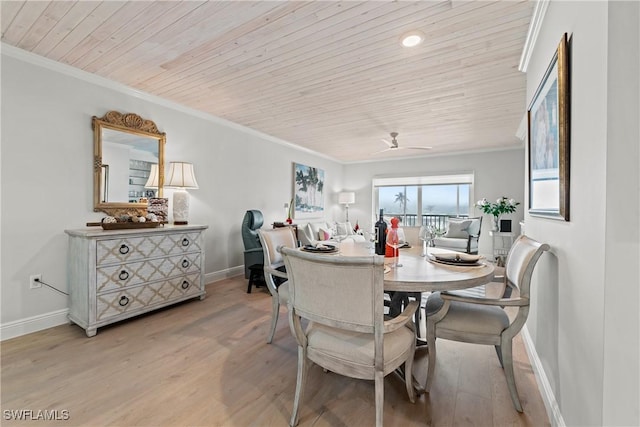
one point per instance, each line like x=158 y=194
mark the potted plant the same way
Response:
x=502 y=206
x=290 y=213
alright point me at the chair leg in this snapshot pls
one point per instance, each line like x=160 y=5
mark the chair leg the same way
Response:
x=379 y=388
x=255 y=277
x=499 y=353
x=408 y=374
x=507 y=358
x=431 y=348
x=300 y=385
x=275 y=312
x=251 y=276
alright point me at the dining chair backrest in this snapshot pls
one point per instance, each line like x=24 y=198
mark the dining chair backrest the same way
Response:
x=344 y=292
x=272 y=239
x=274 y=274
x=521 y=260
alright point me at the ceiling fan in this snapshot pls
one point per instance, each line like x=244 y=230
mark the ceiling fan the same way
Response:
x=393 y=145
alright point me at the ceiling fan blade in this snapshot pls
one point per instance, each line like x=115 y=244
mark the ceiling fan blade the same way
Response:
x=416 y=148
x=382 y=151
x=390 y=144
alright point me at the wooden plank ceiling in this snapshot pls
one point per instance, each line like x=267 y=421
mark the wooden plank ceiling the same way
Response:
x=330 y=76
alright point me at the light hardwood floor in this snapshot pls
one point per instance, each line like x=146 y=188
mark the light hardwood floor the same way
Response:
x=207 y=363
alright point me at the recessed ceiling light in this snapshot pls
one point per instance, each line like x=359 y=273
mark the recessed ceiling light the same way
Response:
x=413 y=38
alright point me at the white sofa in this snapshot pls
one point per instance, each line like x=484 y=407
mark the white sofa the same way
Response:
x=315 y=232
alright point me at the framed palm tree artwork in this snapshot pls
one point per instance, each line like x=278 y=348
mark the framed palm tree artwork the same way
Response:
x=308 y=191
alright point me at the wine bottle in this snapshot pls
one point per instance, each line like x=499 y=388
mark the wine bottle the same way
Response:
x=381 y=235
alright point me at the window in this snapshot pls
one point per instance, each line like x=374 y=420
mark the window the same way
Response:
x=422 y=200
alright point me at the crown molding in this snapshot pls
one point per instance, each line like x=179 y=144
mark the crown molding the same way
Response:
x=521 y=133
x=517 y=146
x=532 y=35
x=68 y=70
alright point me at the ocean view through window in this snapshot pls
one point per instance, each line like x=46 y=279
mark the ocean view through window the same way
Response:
x=421 y=200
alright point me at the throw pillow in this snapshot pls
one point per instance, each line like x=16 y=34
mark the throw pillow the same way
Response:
x=309 y=234
x=458 y=229
x=474 y=227
x=324 y=234
x=344 y=229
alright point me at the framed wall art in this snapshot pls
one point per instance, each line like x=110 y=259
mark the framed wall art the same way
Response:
x=549 y=139
x=308 y=191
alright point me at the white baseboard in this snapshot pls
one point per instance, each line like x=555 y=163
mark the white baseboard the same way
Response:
x=544 y=386
x=33 y=324
x=59 y=317
x=227 y=273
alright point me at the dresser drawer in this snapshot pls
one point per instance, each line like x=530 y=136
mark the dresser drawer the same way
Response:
x=113 y=304
x=126 y=249
x=118 y=276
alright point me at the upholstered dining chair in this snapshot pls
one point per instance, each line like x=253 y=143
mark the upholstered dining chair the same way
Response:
x=274 y=271
x=342 y=297
x=251 y=222
x=484 y=320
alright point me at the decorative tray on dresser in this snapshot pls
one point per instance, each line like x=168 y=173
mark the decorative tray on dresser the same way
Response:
x=117 y=274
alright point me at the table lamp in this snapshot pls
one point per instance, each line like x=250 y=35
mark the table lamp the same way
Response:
x=181 y=177
x=152 y=182
x=347 y=198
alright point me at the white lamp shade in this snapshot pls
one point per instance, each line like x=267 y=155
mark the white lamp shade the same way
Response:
x=181 y=176
x=347 y=198
x=152 y=182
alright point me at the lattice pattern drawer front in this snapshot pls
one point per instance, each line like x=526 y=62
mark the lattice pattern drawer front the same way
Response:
x=114 y=304
x=132 y=248
x=122 y=275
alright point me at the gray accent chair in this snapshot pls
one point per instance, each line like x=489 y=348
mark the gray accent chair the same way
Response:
x=481 y=320
x=462 y=235
x=253 y=253
x=342 y=298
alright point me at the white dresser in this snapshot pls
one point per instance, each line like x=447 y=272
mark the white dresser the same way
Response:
x=117 y=274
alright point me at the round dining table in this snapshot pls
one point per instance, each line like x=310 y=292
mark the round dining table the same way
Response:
x=423 y=273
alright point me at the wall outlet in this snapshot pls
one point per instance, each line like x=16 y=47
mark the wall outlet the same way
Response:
x=33 y=284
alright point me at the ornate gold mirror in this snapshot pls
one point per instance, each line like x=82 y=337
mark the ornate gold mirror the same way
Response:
x=126 y=148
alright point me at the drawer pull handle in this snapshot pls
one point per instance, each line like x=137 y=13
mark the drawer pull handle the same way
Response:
x=185 y=242
x=184 y=285
x=124 y=249
x=124 y=275
x=185 y=263
x=123 y=301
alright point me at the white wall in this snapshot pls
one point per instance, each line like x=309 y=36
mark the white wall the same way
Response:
x=585 y=339
x=47 y=176
x=499 y=173
x=622 y=262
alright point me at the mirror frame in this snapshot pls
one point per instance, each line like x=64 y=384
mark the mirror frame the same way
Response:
x=135 y=125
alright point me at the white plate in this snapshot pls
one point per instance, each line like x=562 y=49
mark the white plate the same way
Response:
x=321 y=249
x=458 y=258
